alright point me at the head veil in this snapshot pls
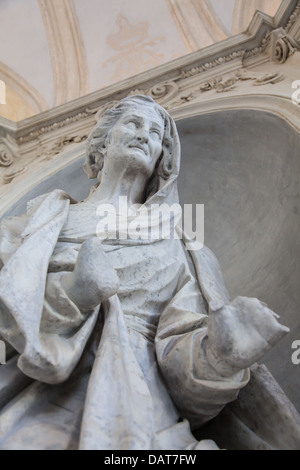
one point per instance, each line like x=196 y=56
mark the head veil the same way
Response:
x=161 y=190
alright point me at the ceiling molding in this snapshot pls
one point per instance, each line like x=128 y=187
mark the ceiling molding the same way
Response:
x=20 y=86
x=280 y=106
x=202 y=82
x=194 y=16
x=244 y=49
x=32 y=174
x=67 y=50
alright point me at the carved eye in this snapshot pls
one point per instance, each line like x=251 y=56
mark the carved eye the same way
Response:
x=133 y=124
x=156 y=133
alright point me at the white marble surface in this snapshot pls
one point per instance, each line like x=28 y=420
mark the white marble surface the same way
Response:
x=123 y=337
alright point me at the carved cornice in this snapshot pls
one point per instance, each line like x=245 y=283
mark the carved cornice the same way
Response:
x=11 y=175
x=237 y=73
x=8 y=151
x=56 y=125
x=165 y=93
x=9 y=154
x=171 y=99
x=171 y=85
x=282 y=45
x=212 y=64
x=293 y=18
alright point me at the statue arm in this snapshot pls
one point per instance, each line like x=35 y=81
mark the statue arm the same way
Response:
x=93 y=279
x=205 y=348
x=241 y=331
x=197 y=389
x=37 y=317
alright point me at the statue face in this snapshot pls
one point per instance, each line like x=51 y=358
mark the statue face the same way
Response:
x=136 y=139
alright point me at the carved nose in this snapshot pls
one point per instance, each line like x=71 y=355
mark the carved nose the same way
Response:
x=142 y=137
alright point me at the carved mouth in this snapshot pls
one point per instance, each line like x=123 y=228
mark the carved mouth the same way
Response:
x=139 y=147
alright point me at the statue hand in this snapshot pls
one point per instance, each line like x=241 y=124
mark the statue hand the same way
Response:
x=240 y=333
x=93 y=279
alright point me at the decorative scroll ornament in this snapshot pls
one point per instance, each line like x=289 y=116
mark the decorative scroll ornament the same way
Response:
x=278 y=44
x=285 y=47
x=259 y=79
x=8 y=151
x=6 y=158
x=163 y=91
x=223 y=85
x=282 y=45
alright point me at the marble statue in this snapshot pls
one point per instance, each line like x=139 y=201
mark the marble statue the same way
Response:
x=119 y=343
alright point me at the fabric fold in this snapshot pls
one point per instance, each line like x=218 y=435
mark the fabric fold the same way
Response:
x=47 y=357
x=118 y=411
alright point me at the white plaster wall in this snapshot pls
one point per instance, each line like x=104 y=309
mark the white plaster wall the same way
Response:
x=224 y=11
x=24 y=46
x=98 y=20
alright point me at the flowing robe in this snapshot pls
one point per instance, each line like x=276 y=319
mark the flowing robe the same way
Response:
x=132 y=373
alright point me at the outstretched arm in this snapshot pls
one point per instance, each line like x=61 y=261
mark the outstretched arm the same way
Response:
x=240 y=333
x=205 y=355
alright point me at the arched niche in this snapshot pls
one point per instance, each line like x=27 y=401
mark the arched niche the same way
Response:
x=243 y=165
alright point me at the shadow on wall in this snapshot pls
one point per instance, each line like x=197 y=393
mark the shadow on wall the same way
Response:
x=243 y=166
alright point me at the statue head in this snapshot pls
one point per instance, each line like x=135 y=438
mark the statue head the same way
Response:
x=99 y=136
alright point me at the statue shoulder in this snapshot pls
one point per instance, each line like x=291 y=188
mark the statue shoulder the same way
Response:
x=53 y=196
x=39 y=211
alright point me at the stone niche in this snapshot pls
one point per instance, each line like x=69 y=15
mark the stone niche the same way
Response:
x=243 y=166
x=239 y=130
